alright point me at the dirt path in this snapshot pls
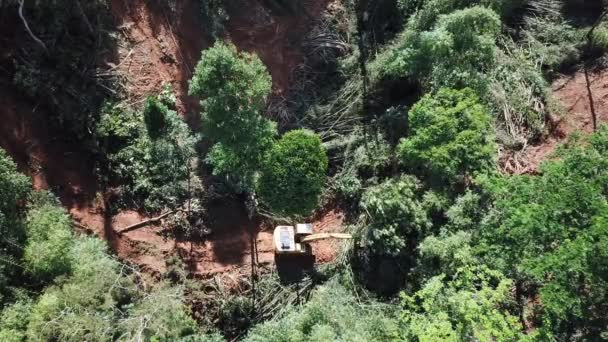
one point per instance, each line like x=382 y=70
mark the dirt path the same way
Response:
x=584 y=99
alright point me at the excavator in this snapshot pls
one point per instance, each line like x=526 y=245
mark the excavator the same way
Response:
x=296 y=239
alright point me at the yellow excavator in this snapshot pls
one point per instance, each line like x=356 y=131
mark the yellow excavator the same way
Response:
x=296 y=240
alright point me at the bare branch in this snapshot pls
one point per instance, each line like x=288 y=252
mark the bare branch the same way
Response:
x=27 y=27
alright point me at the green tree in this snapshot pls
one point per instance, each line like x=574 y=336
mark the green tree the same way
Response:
x=469 y=306
x=151 y=154
x=458 y=52
x=49 y=240
x=293 y=174
x=450 y=136
x=14 y=188
x=234 y=87
x=394 y=215
x=155 y=117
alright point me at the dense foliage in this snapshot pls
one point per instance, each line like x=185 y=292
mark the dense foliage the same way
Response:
x=399 y=116
x=293 y=174
x=81 y=293
x=550 y=230
x=150 y=154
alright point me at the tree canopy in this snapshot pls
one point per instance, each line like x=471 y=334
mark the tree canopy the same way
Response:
x=293 y=174
x=234 y=87
x=450 y=136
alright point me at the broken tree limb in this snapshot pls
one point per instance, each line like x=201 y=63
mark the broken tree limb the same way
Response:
x=27 y=27
x=146 y=222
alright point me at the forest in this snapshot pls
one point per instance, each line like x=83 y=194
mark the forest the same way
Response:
x=149 y=148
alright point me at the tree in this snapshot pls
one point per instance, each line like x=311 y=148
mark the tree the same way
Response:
x=14 y=188
x=293 y=174
x=467 y=307
x=457 y=52
x=155 y=117
x=234 y=87
x=394 y=215
x=150 y=153
x=49 y=239
x=450 y=136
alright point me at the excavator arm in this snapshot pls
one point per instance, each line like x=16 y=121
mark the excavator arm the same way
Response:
x=322 y=236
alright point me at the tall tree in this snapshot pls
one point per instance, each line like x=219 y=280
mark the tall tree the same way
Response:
x=234 y=87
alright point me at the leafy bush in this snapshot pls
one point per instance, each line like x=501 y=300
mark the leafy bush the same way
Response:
x=450 y=136
x=14 y=320
x=364 y=158
x=293 y=174
x=14 y=188
x=394 y=215
x=234 y=87
x=333 y=314
x=49 y=240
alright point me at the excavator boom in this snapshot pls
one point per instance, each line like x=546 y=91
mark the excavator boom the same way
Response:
x=322 y=236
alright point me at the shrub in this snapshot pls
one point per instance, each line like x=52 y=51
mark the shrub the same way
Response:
x=14 y=320
x=365 y=158
x=234 y=87
x=14 y=186
x=450 y=136
x=293 y=174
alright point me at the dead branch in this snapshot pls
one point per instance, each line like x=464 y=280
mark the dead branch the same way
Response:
x=146 y=222
x=82 y=226
x=27 y=27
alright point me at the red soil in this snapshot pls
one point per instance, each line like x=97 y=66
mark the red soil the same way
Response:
x=584 y=99
x=160 y=50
